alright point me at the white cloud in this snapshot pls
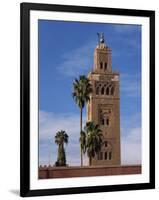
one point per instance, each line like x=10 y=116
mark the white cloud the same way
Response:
x=78 y=61
x=131 y=147
x=131 y=85
x=50 y=123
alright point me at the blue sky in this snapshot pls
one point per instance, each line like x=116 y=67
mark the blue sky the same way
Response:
x=66 y=51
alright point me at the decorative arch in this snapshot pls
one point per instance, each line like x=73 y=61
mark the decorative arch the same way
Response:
x=106 y=155
x=97 y=90
x=102 y=90
x=108 y=145
x=108 y=150
x=107 y=91
x=107 y=121
x=105 y=65
x=101 y=65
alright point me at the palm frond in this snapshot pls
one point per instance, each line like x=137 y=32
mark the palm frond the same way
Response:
x=94 y=139
x=81 y=90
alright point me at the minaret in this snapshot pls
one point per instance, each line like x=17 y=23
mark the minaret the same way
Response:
x=104 y=105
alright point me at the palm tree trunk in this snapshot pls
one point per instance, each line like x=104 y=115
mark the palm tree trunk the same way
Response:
x=80 y=134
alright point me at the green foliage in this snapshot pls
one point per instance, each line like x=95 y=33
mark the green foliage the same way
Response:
x=81 y=94
x=61 y=137
x=93 y=140
x=81 y=91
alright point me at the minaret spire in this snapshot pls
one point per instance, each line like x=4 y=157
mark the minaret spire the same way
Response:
x=100 y=38
x=101 y=41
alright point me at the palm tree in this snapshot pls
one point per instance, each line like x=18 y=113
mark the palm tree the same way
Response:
x=81 y=94
x=93 y=140
x=61 y=137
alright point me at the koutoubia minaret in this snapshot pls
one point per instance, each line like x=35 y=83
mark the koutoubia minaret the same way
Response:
x=104 y=105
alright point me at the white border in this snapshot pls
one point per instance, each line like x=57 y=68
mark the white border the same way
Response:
x=86 y=181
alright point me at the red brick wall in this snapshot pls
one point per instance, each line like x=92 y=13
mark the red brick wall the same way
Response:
x=65 y=172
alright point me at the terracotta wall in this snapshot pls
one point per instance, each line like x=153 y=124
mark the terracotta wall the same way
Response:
x=65 y=172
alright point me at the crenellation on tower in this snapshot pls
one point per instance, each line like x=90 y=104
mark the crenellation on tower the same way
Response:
x=104 y=105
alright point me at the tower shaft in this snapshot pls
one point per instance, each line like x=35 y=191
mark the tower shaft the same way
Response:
x=104 y=106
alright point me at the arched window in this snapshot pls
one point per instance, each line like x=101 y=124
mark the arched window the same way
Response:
x=101 y=65
x=102 y=91
x=102 y=121
x=112 y=91
x=110 y=155
x=106 y=156
x=107 y=121
x=106 y=143
x=105 y=66
x=97 y=90
x=107 y=91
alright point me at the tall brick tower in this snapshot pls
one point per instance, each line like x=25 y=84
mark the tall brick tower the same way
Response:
x=104 y=105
